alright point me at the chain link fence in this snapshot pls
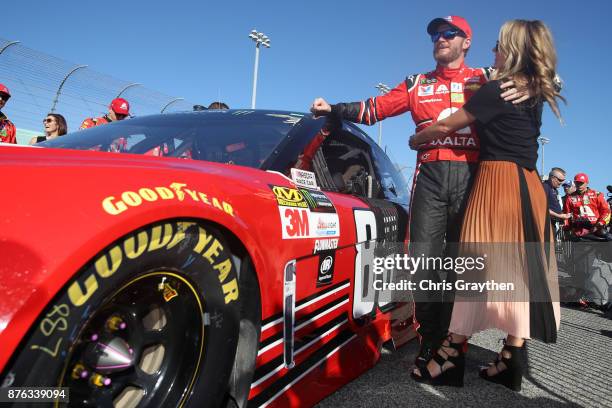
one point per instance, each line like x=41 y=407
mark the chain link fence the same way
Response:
x=41 y=83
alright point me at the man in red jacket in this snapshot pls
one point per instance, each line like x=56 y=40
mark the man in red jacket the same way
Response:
x=445 y=167
x=119 y=109
x=589 y=209
x=8 y=133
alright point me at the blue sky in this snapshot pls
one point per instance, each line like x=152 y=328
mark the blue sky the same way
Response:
x=338 y=50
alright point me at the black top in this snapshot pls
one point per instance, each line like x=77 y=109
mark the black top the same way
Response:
x=507 y=132
x=552 y=195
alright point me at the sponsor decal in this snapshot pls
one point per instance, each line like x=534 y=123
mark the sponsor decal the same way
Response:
x=299 y=223
x=289 y=197
x=427 y=81
x=426 y=90
x=464 y=141
x=472 y=80
x=456 y=87
x=457 y=98
x=472 y=87
x=430 y=100
x=325 y=245
x=303 y=178
x=325 y=274
x=176 y=191
x=169 y=292
x=317 y=201
x=442 y=89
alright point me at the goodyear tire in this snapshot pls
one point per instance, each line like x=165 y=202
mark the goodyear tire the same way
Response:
x=151 y=321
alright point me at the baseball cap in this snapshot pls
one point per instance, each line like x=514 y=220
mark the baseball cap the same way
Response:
x=581 y=178
x=567 y=184
x=120 y=106
x=4 y=90
x=457 y=22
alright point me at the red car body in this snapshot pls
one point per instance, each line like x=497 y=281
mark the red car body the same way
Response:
x=62 y=207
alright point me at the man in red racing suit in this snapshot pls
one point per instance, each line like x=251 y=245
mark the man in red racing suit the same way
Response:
x=589 y=209
x=445 y=167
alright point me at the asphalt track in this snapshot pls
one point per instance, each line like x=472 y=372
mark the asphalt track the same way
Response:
x=574 y=372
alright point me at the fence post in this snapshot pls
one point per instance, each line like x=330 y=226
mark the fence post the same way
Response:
x=125 y=88
x=170 y=103
x=59 y=90
x=8 y=45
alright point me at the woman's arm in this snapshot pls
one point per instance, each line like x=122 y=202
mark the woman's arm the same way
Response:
x=441 y=128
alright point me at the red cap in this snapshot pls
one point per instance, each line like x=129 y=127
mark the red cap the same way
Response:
x=4 y=90
x=120 y=106
x=581 y=178
x=453 y=21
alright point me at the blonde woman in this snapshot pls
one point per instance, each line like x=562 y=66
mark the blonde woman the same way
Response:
x=507 y=207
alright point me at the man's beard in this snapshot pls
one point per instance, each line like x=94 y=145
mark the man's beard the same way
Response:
x=447 y=58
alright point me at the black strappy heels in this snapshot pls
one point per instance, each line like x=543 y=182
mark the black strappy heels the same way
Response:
x=453 y=375
x=512 y=375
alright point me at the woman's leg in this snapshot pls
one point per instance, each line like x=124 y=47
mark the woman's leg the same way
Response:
x=447 y=365
x=508 y=368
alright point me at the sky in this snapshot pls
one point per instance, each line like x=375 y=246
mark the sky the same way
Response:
x=338 y=50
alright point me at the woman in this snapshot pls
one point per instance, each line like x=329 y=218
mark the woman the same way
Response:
x=507 y=205
x=55 y=125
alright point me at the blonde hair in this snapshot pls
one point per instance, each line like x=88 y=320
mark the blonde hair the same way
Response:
x=531 y=59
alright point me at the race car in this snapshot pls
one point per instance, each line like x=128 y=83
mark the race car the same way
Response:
x=201 y=259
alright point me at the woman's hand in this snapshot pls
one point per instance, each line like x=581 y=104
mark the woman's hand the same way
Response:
x=320 y=107
x=514 y=94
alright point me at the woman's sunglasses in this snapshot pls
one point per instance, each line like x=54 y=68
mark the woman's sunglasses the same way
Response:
x=446 y=34
x=48 y=120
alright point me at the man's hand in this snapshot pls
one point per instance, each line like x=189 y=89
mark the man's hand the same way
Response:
x=513 y=94
x=565 y=216
x=320 y=107
x=412 y=142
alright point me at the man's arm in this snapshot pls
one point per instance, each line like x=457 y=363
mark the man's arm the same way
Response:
x=370 y=111
x=441 y=128
x=604 y=210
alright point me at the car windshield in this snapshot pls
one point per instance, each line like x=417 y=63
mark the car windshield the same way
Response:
x=244 y=137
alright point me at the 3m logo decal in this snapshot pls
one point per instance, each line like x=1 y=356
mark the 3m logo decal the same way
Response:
x=295 y=223
x=289 y=197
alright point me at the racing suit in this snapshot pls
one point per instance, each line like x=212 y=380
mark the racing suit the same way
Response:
x=588 y=210
x=443 y=175
x=8 y=133
x=91 y=122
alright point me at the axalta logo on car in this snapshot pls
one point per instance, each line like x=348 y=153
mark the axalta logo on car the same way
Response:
x=176 y=191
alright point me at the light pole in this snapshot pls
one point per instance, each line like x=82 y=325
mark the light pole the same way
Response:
x=543 y=140
x=383 y=90
x=260 y=39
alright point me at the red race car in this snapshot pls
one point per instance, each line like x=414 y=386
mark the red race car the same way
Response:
x=198 y=259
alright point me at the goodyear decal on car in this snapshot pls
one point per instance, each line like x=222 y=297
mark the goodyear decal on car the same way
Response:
x=115 y=205
x=289 y=197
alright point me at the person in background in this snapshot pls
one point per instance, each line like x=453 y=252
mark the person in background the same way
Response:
x=119 y=109
x=198 y=108
x=55 y=125
x=556 y=177
x=588 y=208
x=8 y=132
x=568 y=188
x=218 y=105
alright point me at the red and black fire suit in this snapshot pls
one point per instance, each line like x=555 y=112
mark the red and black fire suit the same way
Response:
x=443 y=175
x=8 y=132
x=589 y=209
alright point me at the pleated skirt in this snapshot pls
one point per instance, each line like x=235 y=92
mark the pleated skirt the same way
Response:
x=507 y=219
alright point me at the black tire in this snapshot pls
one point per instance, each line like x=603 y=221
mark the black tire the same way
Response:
x=179 y=272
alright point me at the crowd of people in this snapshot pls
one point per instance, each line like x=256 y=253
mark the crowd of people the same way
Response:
x=55 y=125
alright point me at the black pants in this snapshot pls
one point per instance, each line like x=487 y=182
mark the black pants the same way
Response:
x=438 y=204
